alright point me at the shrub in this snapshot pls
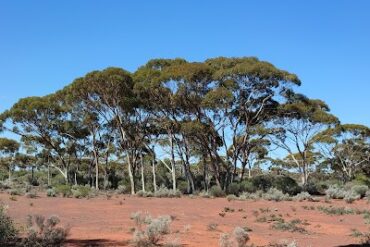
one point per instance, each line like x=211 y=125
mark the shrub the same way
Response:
x=225 y=240
x=44 y=233
x=351 y=196
x=142 y=193
x=122 y=189
x=154 y=232
x=32 y=194
x=335 y=211
x=182 y=186
x=360 y=190
x=368 y=195
x=274 y=194
x=262 y=182
x=165 y=192
x=335 y=192
x=247 y=186
x=64 y=190
x=286 y=184
x=16 y=192
x=241 y=236
x=303 y=196
x=231 y=197
x=233 y=189
x=292 y=226
x=80 y=191
x=8 y=232
x=212 y=226
x=51 y=192
x=216 y=191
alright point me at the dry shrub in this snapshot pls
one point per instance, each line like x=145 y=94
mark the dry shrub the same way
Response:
x=153 y=232
x=239 y=238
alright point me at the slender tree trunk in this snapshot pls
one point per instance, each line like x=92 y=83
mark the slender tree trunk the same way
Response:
x=154 y=177
x=75 y=177
x=131 y=176
x=173 y=167
x=10 y=174
x=96 y=161
x=205 y=173
x=49 y=175
x=142 y=172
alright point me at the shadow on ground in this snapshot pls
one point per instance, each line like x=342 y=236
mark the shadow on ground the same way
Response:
x=94 y=243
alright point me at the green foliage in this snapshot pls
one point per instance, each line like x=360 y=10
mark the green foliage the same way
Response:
x=64 y=190
x=274 y=194
x=247 y=186
x=79 y=191
x=165 y=192
x=266 y=181
x=303 y=196
x=335 y=192
x=44 y=232
x=216 y=191
x=154 y=231
x=233 y=188
x=8 y=232
x=360 y=190
x=51 y=192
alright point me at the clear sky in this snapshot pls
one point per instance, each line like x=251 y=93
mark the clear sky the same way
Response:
x=44 y=45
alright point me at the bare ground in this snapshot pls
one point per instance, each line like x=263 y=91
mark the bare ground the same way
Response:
x=102 y=222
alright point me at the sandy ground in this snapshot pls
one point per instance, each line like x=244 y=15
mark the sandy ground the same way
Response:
x=102 y=222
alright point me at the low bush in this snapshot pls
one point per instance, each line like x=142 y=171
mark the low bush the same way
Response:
x=32 y=194
x=8 y=232
x=79 y=191
x=64 y=190
x=44 y=233
x=247 y=186
x=165 y=192
x=335 y=211
x=216 y=191
x=142 y=193
x=16 y=192
x=154 y=231
x=335 y=192
x=351 y=196
x=233 y=189
x=239 y=238
x=291 y=226
x=303 y=196
x=51 y=192
x=231 y=197
x=274 y=194
x=360 y=190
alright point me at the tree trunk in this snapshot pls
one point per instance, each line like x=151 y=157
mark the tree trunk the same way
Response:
x=131 y=176
x=173 y=169
x=49 y=175
x=96 y=161
x=142 y=173
x=154 y=177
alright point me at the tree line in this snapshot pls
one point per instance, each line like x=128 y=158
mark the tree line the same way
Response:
x=203 y=123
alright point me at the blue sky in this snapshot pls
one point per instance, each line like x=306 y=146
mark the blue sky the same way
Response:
x=44 y=45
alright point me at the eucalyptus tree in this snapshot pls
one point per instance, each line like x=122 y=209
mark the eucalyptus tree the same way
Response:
x=346 y=148
x=295 y=128
x=43 y=121
x=247 y=94
x=155 y=88
x=110 y=94
x=8 y=151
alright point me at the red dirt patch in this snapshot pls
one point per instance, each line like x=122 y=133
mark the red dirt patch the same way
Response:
x=102 y=222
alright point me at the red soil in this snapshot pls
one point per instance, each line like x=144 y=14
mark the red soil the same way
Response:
x=102 y=222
